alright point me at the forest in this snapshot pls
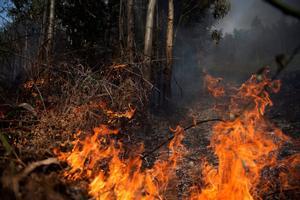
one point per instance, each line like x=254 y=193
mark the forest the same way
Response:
x=149 y=99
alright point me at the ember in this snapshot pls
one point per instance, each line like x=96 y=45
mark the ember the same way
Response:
x=213 y=85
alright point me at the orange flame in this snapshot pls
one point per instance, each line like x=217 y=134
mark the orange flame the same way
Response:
x=213 y=85
x=111 y=114
x=243 y=146
x=122 y=178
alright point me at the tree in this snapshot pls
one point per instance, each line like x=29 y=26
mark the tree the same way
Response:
x=182 y=14
x=169 y=50
x=130 y=34
x=148 y=39
x=50 y=29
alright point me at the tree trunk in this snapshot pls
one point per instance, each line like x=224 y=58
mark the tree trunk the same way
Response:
x=130 y=36
x=50 y=31
x=148 y=39
x=121 y=24
x=169 y=51
x=44 y=23
x=43 y=32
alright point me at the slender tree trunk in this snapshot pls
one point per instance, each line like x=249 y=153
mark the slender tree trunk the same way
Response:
x=121 y=23
x=26 y=51
x=43 y=32
x=148 y=39
x=130 y=24
x=44 y=23
x=50 y=30
x=169 y=50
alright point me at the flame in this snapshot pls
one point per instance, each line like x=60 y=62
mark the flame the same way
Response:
x=30 y=83
x=244 y=146
x=100 y=159
x=119 y=66
x=213 y=85
x=112 y=114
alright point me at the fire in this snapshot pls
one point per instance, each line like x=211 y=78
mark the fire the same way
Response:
x=243 y=146
x=291 y=175
x=112 y=114
x=100 y=159
x=213 y=85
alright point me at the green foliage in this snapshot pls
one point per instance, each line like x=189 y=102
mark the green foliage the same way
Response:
x=192 y=11
x=87 y=22
x=221 y=8
x=27 y=9
x=6 y=145
x=216 y=36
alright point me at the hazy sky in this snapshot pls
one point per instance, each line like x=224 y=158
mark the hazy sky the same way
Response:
x=4 y=4
x=244 y=11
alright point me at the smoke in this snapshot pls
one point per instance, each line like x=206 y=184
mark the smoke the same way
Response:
x=242 y=14
x=254 y=32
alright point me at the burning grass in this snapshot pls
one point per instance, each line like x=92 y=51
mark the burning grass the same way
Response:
x=245 y=145
x=119 y=177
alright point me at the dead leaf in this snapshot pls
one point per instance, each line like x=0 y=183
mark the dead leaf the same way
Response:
x=28 y=107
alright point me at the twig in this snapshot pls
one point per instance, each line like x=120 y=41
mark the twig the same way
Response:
x=140 y=76
x=109 y=94
x=202 y=122
x=286 y=9
x=178 y=85
x=9 y=148
x=295 y=52
x=16 y=179
x=40 y=95
x=281 y=67
x=185 y=129
x=294 y=189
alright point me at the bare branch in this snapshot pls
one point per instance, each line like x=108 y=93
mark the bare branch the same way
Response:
x=286 y=9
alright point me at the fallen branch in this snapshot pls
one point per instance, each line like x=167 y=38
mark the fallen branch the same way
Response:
x=17 y=178
x=185 y=129
x=40 y=95
x=282 y=66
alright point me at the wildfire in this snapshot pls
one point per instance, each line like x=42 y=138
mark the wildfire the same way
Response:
x=100 y=159
x=213 y=85
x=112 y=114
x=243 y=146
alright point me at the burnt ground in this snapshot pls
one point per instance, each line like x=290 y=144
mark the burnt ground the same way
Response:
x=286 y=109
x=285 y=114
x=45 y=182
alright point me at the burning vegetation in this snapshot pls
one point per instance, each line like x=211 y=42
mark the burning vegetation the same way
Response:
x=105 y=100
x=101 y=160
x=109 y=163
x=245 y=145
